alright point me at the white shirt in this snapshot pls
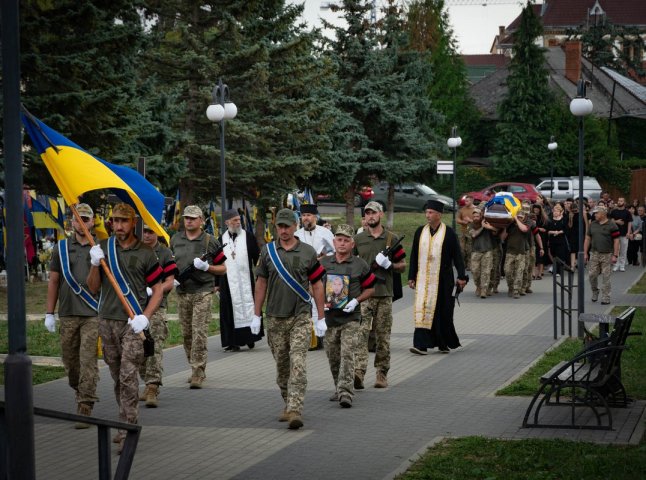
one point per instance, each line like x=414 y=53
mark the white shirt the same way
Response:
x=321 y=239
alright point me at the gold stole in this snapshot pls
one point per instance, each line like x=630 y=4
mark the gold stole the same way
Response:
x=428 y=275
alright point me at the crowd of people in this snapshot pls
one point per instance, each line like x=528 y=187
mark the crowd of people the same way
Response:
x=311 y=284
x=544 y=237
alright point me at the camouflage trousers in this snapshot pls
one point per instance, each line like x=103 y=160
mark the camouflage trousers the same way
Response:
x=514 y=270
x=600 y=264
x=289 y=339
x=194 y=311
x=530 y=260
x=377 y=310
x=123 y=351
x=152 y=370
x=79 y=337
x=494 y=278
x=340 y=347
x=466 y=245
x=481 y=266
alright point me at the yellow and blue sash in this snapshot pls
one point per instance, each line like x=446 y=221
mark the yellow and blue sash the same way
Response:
x=113 y=263
x=296 y=287
x=76 y=287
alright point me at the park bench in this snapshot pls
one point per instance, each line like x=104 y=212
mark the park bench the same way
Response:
x=589 y=384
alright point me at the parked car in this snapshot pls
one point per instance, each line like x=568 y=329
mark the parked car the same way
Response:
x=568 y=187
x=410 y=197
x=522 y=191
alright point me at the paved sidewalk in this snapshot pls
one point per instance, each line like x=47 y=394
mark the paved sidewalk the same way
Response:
x=229 y=429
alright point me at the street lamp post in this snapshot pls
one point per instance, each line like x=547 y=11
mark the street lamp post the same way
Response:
x=580 y=107
x=552 y=146
x=219 y=111
x=454 y=142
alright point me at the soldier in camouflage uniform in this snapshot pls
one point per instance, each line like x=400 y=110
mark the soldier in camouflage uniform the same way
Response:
x=288 y=313
x=79 y=320
x=515 y=237
x=199 y=254
x=378 y=309
x=534 y=239
x=123 y=348
x=343 y=317
x=464 y=218
x=482 y=233
x=152 y=370
x=601 y=249
x=496 y=259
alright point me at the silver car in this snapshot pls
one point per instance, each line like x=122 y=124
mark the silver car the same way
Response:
x=410 y=197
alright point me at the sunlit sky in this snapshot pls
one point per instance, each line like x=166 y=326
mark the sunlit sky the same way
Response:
x=475 y=26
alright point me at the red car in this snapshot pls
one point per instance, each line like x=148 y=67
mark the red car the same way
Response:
x=522 y=191
x=364 y=195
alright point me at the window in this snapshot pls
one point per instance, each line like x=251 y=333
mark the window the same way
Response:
x=517 y=189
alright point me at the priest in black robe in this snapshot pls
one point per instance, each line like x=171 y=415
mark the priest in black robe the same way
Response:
x=435 y=252
x=238 y=285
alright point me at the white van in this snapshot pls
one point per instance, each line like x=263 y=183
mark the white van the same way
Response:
x=568 y=187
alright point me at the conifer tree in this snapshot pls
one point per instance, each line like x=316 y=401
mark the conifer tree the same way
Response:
x=526 y=109
x=79 y=70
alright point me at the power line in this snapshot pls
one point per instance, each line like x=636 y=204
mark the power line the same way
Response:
x=483 y=3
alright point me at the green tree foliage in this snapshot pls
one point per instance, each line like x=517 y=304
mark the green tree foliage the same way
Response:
x=526 y=109
x=265 y=58
x=79 y=67
x=619 y=47
x=430 y=32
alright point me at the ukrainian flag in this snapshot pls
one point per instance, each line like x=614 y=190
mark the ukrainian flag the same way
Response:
x=76 y=172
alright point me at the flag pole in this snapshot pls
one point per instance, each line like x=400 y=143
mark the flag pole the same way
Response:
x=106 y=269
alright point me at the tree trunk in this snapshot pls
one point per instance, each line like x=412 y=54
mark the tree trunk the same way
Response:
x=349 y=205
x=260 y=225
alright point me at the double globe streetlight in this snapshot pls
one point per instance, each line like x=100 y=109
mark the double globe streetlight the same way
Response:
x=221 y=109
x=454 y=142
x=580 y=107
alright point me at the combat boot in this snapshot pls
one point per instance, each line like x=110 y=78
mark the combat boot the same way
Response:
x=358 y=380
x=382 y=381
x=284 y=417
x=84 y=409
x=151 y=396
x=295 y=421
x=144 y=394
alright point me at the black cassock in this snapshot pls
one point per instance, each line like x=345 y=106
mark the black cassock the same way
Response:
x=442 y=333
x=229 y=335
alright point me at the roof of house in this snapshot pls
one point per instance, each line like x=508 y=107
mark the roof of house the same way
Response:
x=480 y=66
x=629 y=96
x=572 y=13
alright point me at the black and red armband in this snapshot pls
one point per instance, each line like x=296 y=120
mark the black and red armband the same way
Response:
x=398 y=254
x=218 y=257
x=154 y=275
x=368 y=280
x=169 y=268
x=315 y=273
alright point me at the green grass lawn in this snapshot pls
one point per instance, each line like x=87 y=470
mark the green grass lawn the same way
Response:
x=633 y=362
x=640 y=286
x=477 y=458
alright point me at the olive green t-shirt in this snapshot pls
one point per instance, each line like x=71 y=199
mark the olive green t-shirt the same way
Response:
x=186 y=250
x=69 y=303
x=302 y=265
x=516 y=240
x=141 y=269
x=367 y=247
x=343 y=282
x=167 y=263
x=602 y=236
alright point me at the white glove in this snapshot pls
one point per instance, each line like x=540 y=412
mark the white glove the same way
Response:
x=149 y=291
x=315 y=311
x=139 y=323
x=383 y=261
x=50 y=322
x=255 y=325
x=200 y=264
x=352 y=304
x=96 y=255
x=321 y=328
x=176 y=283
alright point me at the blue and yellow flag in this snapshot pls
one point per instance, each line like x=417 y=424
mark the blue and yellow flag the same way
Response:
x=76 y=172
x=42 y=217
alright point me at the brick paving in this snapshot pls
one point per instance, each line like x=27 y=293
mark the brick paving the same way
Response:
x=229 y=429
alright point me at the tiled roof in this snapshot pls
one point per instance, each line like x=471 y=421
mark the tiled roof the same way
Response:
x=513 y=26
x=571 y=13
x=485 y=60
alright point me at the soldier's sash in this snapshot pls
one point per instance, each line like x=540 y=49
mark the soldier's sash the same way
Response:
x=76 y=287
x=113 y=263
x=285 y=275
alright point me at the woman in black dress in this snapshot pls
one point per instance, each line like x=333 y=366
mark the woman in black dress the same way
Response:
x=557 y=229
x=541 y=223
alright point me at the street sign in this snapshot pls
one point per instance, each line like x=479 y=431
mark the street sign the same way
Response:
x=444 y=167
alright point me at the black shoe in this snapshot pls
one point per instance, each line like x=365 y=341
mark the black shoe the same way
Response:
x=605 y=303
x=345 y=401
x=251 y=345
